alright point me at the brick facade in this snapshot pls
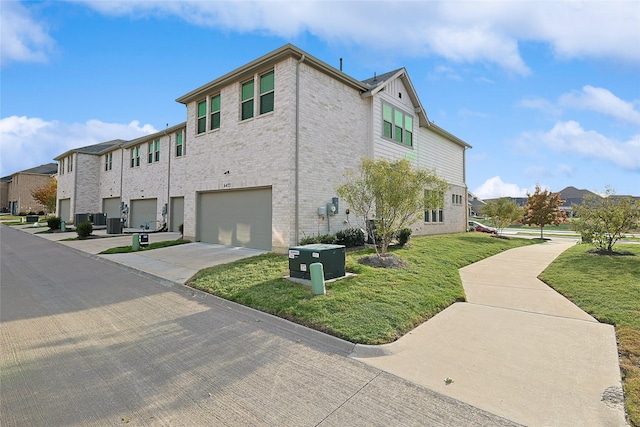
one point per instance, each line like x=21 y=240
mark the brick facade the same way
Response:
x=322 y=124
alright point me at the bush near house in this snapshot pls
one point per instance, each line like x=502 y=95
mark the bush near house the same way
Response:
x=54 y=223
x=351 y=237
x=84 y=230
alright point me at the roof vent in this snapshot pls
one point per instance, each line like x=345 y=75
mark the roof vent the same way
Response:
x=375 y=78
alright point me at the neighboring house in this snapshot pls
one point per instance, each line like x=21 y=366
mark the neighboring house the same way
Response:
x=264 y=148
x=475 y=204
x=15 y=190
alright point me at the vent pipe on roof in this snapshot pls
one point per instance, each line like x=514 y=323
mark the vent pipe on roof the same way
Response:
x=375 y=78
x=340 y=64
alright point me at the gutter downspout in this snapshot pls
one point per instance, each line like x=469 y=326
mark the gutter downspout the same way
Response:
x=169 y=213
x=297 y=152
x=121 y=175
x=75 y=188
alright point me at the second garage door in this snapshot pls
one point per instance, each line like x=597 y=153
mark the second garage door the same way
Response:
x=236 y=218
x=143 y=211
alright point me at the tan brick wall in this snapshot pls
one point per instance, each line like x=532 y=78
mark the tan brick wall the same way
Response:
x=20 y=187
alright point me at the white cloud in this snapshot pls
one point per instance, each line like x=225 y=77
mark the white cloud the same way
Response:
x=540 y=104
x=569 y=137
x=494 y=187
x=602 y=101
x=26 y=142
x=461 y=32
x=22 y=39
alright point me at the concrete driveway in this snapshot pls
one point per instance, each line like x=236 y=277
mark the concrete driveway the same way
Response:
x=84 y=342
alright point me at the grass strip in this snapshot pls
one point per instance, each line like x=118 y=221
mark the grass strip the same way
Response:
x=156 y=245
x=376 y=306
x=608 y=288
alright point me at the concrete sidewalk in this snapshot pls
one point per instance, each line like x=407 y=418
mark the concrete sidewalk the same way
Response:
x=517 y=348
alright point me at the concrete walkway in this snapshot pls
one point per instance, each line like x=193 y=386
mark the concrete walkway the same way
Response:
x=517 y=348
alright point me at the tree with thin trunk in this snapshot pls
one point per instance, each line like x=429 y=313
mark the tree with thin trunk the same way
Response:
x=46 y=195
x=502 y=212
x=543 y=208
x=394 y=194
x=602 y=221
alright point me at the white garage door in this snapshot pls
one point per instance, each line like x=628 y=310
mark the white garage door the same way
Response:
x=143 y=211
x=236 y=218
x=64 y=212
x=111 y=206
x=176 y=214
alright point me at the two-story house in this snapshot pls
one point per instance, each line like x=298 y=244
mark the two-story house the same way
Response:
x=264 y=148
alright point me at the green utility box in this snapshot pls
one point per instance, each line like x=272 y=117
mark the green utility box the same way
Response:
x=332 y=258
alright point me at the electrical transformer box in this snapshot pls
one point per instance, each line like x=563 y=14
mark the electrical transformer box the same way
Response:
x=332 y=258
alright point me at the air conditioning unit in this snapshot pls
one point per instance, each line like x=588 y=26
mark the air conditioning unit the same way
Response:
x=332 y=258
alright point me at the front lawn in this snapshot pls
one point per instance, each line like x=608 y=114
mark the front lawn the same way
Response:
x=376 y=306
x=608 y=288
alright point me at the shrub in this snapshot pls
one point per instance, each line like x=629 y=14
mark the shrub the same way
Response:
x=84 y=229
x=54 y=222
x=350 y=237
x=319 y=238
x=404 y=235
x=40 y=213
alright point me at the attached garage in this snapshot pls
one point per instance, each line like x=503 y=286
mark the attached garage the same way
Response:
x=64 y=210
x=176 y=214
x=236 y=218
x=143 y=211
x=111 y=206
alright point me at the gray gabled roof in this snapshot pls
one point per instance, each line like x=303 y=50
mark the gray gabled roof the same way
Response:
x=152 y=136
x=95 y=149
x=48 y=169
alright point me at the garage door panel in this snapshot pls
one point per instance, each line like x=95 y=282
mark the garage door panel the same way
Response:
x=143 y=211
x=236 y=218
x=111 y=206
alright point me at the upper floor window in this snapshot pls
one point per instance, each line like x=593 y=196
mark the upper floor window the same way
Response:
x=108 y=161
x=215 y=112
x=61 y=166
x=179 y=144
x=154 y=151
x=266 y=92
x=202 y=117
x=135 y=156
x=247 y=100
x=70 y=163
x=397 y=125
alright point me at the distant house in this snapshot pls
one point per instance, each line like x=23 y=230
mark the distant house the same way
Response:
x=261 y=154
x=573 y=196
x=15 y=189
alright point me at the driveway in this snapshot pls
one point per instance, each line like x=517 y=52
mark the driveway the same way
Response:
x=84 y=342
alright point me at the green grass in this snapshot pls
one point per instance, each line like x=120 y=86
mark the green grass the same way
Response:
x=156 y=245
x=608 y=288
x=374 y=307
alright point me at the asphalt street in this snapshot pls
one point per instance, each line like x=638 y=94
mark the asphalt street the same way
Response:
x=86 y=342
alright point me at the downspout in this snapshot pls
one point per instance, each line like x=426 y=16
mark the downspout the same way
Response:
x=466 y=189
x=75 y=189
x=297 y=154
x=168 y=181
x=121 y=175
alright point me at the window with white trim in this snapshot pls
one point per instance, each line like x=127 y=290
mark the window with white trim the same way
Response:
x=247 y=100
x=70 y=163
x=135 y=156
x=397 y=125
x=154 y=151
x=201 y=122
x=108 y=161
x=214 y=121
x=179 y=144
x=266 y=92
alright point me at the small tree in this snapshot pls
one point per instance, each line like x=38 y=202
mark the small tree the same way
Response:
x=46 y=195
x=392 y=192
x=543 y=208
x=603 y=220
x=502 y=212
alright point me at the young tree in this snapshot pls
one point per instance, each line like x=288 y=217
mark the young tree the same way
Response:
x=46 y=195
x=392 y=192
x=502 y=212
x=543 y=208
x=603 y=220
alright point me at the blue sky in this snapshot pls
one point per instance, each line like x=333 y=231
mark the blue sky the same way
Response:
x=546 y=92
